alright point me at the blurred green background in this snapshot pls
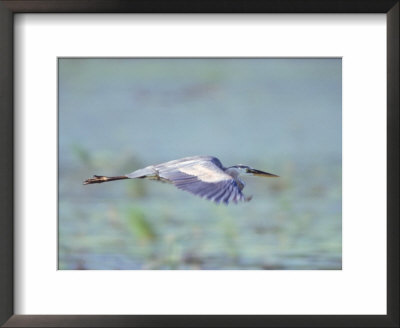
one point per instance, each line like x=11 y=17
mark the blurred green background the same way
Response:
x=278 y=115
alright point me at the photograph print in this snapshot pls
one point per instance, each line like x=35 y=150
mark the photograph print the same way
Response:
x=199 y=164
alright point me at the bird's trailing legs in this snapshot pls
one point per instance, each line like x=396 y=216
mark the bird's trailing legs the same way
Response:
x=101 y=179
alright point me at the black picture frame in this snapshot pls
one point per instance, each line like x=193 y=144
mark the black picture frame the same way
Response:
x=10 y=7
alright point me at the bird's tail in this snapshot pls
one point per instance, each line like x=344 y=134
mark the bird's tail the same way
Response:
x=101 y=179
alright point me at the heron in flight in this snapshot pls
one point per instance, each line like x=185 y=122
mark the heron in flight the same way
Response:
x=204 y=176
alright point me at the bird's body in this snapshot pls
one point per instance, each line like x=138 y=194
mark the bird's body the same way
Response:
x=204 y=176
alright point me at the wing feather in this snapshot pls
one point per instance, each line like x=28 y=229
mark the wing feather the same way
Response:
x=215 y=193
x=203 y=177
x=217 y=197
x=227 y=194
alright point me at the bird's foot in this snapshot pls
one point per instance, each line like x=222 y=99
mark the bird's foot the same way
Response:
x=95 y=179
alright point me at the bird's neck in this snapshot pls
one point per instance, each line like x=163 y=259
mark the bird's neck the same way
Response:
x=232 y=171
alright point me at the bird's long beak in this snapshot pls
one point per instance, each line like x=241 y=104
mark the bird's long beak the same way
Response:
x=262 y=173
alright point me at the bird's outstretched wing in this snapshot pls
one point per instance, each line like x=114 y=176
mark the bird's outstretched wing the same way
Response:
x=203 y=177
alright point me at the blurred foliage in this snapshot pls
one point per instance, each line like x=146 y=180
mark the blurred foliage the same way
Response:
x=229 y=230
x=140 y=226
x=82 y=154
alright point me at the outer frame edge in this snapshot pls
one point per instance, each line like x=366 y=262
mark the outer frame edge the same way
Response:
x=204 y=6
x=393 y=148
x=6 y=165
x=7 y=8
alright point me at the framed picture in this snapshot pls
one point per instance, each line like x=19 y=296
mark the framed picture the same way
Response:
x=285 y=125
x=189 y=118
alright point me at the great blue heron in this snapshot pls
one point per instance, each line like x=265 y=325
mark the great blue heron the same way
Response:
x=204 y=176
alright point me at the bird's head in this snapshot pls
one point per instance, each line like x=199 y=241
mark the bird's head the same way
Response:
x=249 y=170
